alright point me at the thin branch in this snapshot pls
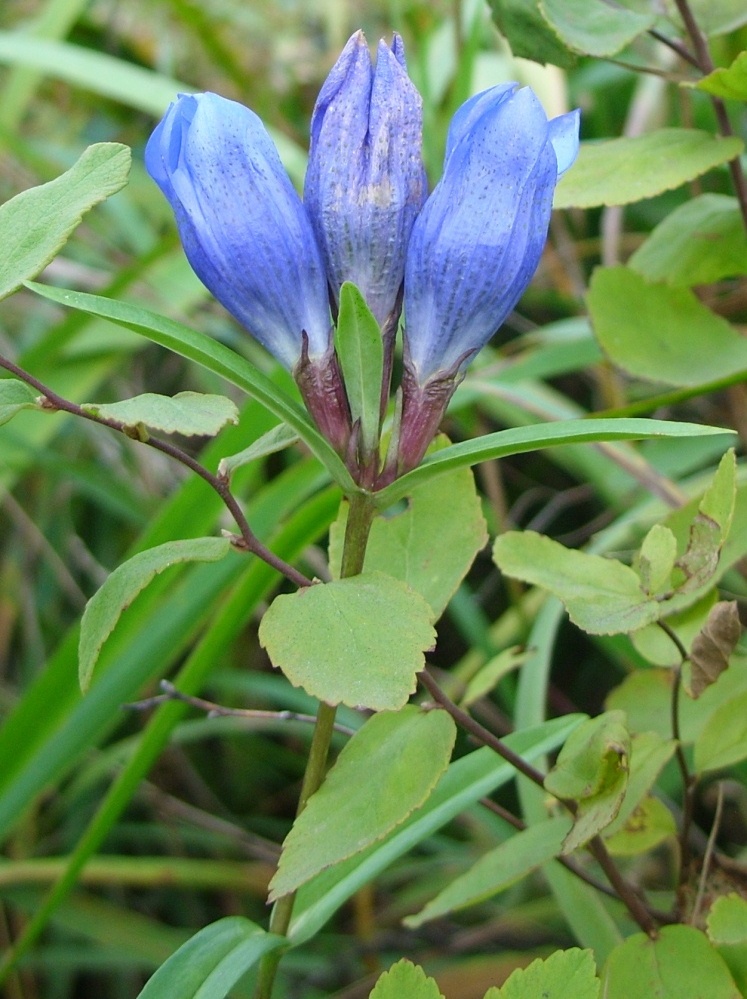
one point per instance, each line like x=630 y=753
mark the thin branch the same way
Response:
x=482 y=734
x=675 y=45
x=708 y=854
x=627 y=894
x=689 y=781
x=172 y=693
x=248 y=540
x=706 y=66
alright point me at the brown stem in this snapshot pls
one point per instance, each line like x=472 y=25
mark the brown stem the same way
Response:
x=705 y=64
x=625 y=891
x=248 y=540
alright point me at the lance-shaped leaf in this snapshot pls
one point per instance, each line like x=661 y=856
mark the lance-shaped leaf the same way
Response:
x=530 y=36
x=123 y=585
x=498 y=869
x=191 y=414
x=212 y=961
x=388 y=769
x=360 y=350
x=277 y=439
x=592 y=770
x=36 y=223
x=357 y=641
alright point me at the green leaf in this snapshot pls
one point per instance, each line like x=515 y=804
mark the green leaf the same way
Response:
x=15 y=396
x=360 y=350
x=191 y=414
x=657 y=647
x=595 y=29
x=649 y=753
x=700 y=242
x=729 y=83
x=36 y=223
x=519 y=440
x=527 y=32
x=602 y=596
x=726 y=922
x=209 y=964
x=214 y=356
x=357 y=641
x=671 y=337
x=107 y=605
x=273 y=441
x=592 y=769
x=465 y=782
x=498 y=869
x=712 y=646
x=709 y=528
x=489 y=675
x=655 y=560
x=405 y=979
x=679 y=964
x=648 y=825
x=566 y=974
x=431 y=544
x=716 y=17
x=723 y=740
x=621 y=171
x=386 y=771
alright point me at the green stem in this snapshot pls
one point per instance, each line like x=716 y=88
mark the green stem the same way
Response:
x=361 y=512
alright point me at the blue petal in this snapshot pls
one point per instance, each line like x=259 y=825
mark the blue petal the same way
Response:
x=564 y=138
x=365 y=181
x=243 y=227
x=479 y=238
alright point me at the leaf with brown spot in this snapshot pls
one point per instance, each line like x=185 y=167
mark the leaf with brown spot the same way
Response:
x=713 y=645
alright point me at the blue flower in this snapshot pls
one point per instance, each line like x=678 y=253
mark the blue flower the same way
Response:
x=243 y=226
x=479 y=238
x=366 y=183
x=475 y=246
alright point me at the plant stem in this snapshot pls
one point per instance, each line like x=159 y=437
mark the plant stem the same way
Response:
x=625 y=891
x=248 y=540
x=361 y=513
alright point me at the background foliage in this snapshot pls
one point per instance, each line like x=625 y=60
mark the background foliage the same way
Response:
x=125 y=831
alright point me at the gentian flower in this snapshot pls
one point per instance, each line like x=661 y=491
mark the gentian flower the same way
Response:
x=248 y=237
x=366 y=182
x=476 y=245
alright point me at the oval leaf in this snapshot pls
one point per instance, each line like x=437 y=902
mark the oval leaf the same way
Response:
x=405 y=979
x=671 y=337
x=727 y=920
x=386 y=771
x=431 y=544
x=730 y=82
x=679 y=964
x=601 y=595
x=566 y=974
x=209 y=964
x=357 y=641
x=723 y=740
x=621 y=171
x=123 y=585
x=593 y=28
x=36 y=223
x=15 y=396
x=712 y=646
x=188 y=413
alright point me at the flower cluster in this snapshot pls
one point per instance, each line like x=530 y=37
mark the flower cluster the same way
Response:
x=457 y=261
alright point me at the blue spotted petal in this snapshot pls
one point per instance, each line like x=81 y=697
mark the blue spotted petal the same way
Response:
x=365 y=182
x=479 y=238
x=242 y=224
